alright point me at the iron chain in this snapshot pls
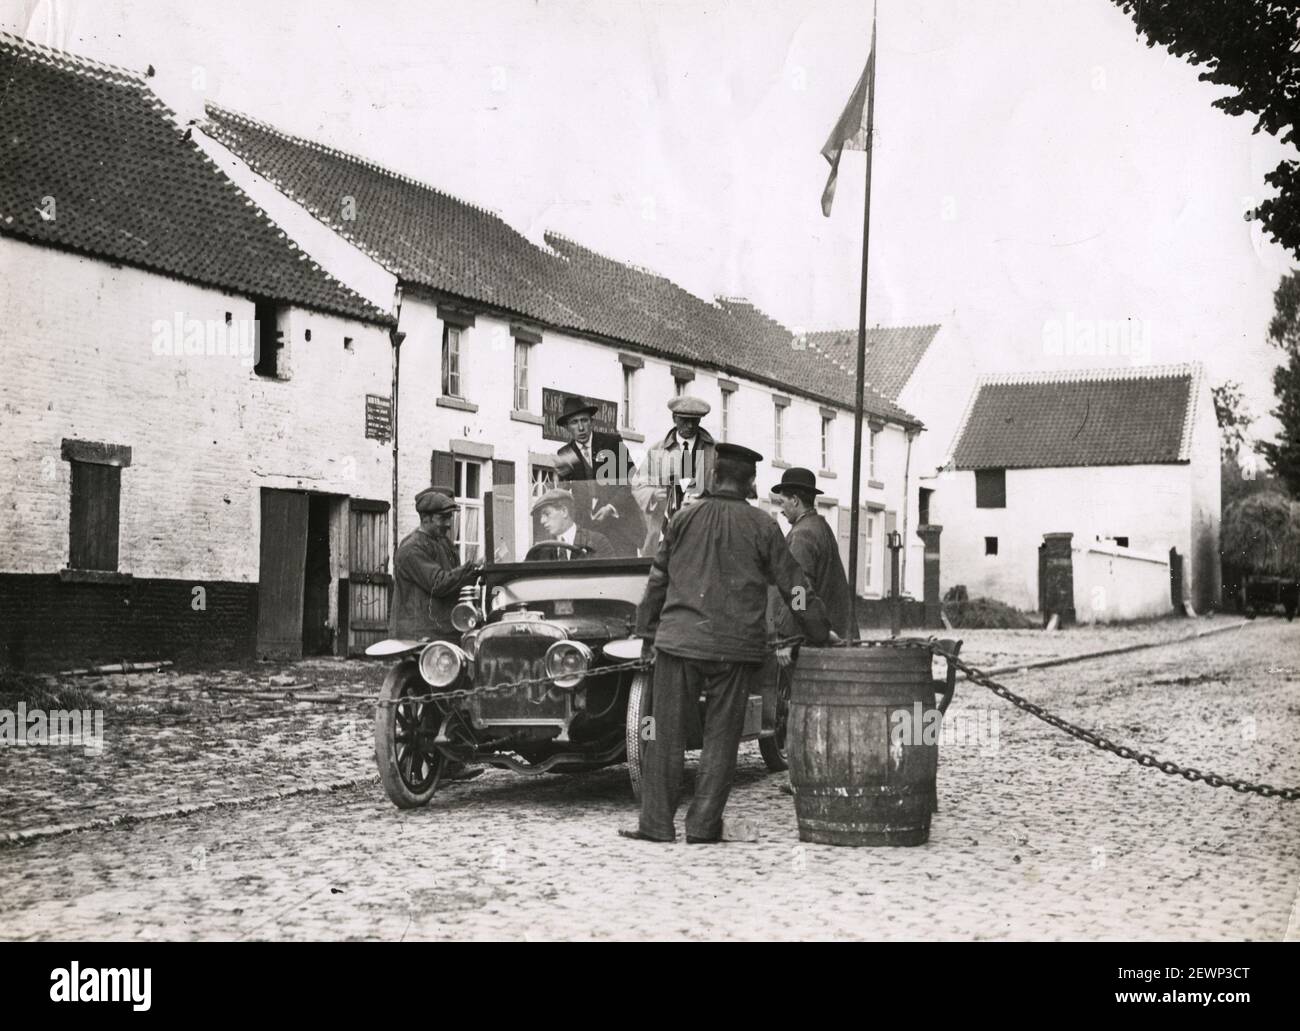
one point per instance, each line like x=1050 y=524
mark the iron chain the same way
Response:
x=1189 y=773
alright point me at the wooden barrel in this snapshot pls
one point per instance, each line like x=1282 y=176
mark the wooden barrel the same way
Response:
x=860 y=767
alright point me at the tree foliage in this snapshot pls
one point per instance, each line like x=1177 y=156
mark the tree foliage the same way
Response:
x=1234 y=418
x=1283 y=454
x=1252 y=46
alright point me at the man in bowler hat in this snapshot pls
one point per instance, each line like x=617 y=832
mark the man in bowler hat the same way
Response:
x=598 y=470
x=555 y=510
x=704 y=610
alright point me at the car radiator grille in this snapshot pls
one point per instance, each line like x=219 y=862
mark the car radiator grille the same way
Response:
x=512 y=656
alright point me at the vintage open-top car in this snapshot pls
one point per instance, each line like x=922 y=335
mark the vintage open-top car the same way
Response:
x=559 y=631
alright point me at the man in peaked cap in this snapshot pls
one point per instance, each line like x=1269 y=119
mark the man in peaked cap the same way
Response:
x=555 y=509
x=677 y=470
x=598 y=469
x=704 y=611
x=426 y=578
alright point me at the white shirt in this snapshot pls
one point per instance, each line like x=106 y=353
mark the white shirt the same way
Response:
x=568 y=535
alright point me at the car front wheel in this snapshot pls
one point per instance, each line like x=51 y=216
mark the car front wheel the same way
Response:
x=638 y=725
x=410 y=766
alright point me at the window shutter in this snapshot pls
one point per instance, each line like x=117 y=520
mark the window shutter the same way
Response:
x=503 y=511
x=442 y=471
x=990 y=488
x=93 y=523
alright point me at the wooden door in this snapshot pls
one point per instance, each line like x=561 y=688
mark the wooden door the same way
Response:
x=369 y=582
x=280 y=574
x=503 y=511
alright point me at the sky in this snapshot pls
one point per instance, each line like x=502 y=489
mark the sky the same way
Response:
x=1042 y=180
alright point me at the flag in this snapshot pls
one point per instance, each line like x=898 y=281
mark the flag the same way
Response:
x=853 y=130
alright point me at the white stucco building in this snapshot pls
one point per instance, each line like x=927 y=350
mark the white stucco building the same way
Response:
x=1125 y=460
x=182 y=386
x=496 y=328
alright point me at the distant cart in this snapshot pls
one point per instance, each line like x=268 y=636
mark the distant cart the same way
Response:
x=1262 y=593
x=1261 y=546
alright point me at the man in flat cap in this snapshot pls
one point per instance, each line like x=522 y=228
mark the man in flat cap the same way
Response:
x=426 y=577
x=598 y=470
x=677 y=470
x=704 y=610
x=555 y=510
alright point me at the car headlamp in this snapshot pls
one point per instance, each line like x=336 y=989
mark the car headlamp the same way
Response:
x=567 y=662
x=466 y=616
x=441 y=663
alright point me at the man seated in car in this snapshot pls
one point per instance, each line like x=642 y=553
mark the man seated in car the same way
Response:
x=555 y=510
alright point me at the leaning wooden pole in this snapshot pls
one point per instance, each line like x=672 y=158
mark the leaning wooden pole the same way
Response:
x=862 y=350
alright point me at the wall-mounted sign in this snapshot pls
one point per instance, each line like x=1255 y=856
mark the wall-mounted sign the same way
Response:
x=379 y=418
x=606 y=419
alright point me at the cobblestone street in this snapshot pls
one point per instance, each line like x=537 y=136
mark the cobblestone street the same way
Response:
x=1039 y=836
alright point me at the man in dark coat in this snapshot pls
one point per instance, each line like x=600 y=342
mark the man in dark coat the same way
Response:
x=813 y=544
x=426 y=577
x=704 y=609
x=555 y=509
x=598 y=470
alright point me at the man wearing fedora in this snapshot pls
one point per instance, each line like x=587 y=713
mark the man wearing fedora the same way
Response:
x=677 y=470
x=426 y=577
x=598 y=470
x=813 y=544
x=704 y=612
x=555 y=511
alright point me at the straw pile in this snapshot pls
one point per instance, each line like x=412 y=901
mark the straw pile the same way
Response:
x=1261 y=534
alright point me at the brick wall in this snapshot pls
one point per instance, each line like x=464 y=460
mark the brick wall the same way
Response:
x=206 y=433
x=48 y=623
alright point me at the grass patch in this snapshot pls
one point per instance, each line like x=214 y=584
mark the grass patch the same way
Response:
x=985 y=614
x=39 y=693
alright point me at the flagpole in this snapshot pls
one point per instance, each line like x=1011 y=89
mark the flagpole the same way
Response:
x=862 y=347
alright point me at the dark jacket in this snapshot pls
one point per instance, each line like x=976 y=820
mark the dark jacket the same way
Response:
x=813 y=544
x=606 y=484
x=426 y=586
x=707 y=593
x=592 y=543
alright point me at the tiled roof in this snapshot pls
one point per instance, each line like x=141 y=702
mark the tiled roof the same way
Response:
x=801 y=363
x=427 y=237
x=893 y=353
x=417 y=232
x=1136 y=416
x=125 y=183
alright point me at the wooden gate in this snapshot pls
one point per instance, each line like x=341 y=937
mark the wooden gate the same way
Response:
x=369 y=582
x=283 y=555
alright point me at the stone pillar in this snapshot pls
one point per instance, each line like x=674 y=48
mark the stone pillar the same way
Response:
x=929 y=533
x=1056 y=577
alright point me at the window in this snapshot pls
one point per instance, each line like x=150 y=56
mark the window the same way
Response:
x=96 y=476
x=923 y=506
x=990 y=545
x=541 y=479
x=1121 y=542
x=521 y=376
x=96 y=496
x=270 y=339
x=629 y=375
x=679 y=386
x=827 y=435
x=990 y=488
x=451 y=384
x=725 y=414
x=778 y=430
x=871 y=455
x=469 y=520
x=869 y=548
